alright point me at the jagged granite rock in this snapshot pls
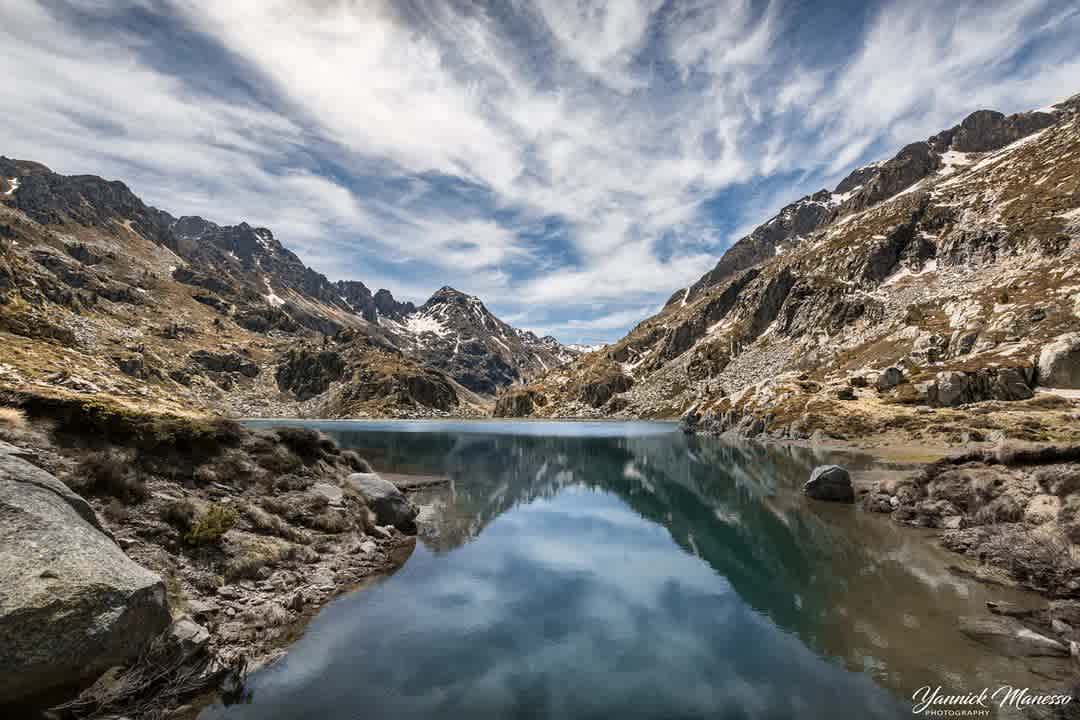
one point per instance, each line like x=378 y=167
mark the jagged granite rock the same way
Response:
x=389 y=504
x=830 y=482
x=985 y=130
x=72 y=604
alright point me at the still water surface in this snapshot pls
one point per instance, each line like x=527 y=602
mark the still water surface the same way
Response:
x=624 y=570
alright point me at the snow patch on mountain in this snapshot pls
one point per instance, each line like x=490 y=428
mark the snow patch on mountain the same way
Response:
x=419 y=324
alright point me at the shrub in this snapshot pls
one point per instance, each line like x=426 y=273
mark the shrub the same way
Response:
x=249 y=566
x=305 y=442
x=265 y=522
x=204 y=475
x=330 y=522
x=357 y=463
x=278 y=459
x=110 y=473
x=211 y=525
x=180 y=514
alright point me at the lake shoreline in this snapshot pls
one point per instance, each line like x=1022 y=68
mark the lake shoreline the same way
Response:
x=293 y=535
x=225 y=609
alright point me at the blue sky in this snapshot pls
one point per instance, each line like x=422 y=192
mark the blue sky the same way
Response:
x=571 y=162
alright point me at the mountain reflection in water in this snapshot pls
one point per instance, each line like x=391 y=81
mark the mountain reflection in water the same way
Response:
x=625 y=570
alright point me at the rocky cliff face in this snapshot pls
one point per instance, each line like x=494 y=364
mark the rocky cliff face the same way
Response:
x=102 y=293
x=953 y=263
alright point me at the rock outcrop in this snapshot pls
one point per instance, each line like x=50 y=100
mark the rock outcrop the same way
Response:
x=72 y=604
x=1059 y=363
x=389 y=504
x=518 y=402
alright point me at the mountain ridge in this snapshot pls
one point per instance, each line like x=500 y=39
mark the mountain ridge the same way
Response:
x=83 y=251
x=953 y=263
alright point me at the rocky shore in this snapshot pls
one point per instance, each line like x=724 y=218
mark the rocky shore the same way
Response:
x=148 y=560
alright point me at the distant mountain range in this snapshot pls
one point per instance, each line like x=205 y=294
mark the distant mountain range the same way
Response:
x=89 y=266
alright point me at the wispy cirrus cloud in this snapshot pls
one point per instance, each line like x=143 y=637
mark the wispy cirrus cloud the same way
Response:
x=570 y=162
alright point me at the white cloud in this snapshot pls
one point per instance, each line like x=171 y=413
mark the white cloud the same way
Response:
x=617 y=118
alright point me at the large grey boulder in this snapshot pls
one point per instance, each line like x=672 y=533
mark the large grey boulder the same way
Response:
x=388 y=503
x=950 y=388
x=889 y=378
x=830 y=482
x=1009 y=636
x=1059 y=363
x=72 y=604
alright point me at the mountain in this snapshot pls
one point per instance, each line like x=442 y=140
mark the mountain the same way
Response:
x=946 y=275
x=101 y=292
x=457 y=334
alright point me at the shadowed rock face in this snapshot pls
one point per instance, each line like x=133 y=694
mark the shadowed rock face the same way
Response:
x=72 y=604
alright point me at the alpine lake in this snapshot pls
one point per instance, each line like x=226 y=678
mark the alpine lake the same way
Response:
x=626 y=570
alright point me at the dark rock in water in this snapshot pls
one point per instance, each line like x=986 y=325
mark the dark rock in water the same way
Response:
x=72 y=604
x=830 y=482
x=388 y=503
x=1009 y=636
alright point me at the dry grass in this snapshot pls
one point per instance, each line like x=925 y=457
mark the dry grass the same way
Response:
x=12 y=419
x=263 y=522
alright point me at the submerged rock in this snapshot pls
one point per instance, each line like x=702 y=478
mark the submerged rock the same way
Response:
x=390 y=506
x=72 y=604
x=830 y=482
x=1009 y=636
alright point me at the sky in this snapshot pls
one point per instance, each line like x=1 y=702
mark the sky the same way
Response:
x=570 y=162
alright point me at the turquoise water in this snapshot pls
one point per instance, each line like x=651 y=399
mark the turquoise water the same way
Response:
x=608 y=570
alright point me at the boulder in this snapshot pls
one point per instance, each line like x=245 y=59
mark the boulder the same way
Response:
x=72 y=604
x=1059 y=363
x=1009 y=636
x=950 y=389
x=188 y=636
x=333 y=494
x=388 y=503
x=830 y=482
x=1009 y=384
x=889 y=378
